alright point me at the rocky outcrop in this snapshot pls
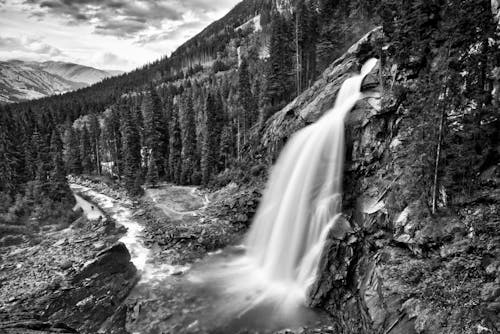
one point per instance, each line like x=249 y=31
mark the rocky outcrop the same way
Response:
x=79 y=304
x=383 y=269
x=95 y=292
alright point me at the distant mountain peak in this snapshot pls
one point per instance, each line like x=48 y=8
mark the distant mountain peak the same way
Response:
x=25 y=80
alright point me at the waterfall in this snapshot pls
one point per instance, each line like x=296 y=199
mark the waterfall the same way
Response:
x=302 y=200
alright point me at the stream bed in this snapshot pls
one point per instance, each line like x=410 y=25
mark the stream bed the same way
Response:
x=189 y=298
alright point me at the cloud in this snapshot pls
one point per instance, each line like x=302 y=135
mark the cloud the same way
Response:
x=129 y=18
x=121 y=18
x=28 y=44
x=110 y=60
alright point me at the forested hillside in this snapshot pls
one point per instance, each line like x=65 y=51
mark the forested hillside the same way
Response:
x=189 y=118
x=184 y=118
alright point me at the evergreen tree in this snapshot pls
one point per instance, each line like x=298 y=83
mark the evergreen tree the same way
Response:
x=305 y=47
x=211 y=140
x=72 y=152
x=42 y=182
x=248 y=103
x=188 y=129
x=280 y=84
x=152 y=176
x=131 y=151
x=113 y=139
x=10 y=154
x=175 y=162
x=95 y=134
x=227 y=149
x=156 y=139
x=59 y=188
x=85 y=151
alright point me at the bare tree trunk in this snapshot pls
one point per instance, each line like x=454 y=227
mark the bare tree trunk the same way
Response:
x=297 y=55
x=97 y=157
x=238 y=141
x=436 y=164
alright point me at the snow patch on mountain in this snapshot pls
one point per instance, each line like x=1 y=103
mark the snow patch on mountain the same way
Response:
x=253 y=23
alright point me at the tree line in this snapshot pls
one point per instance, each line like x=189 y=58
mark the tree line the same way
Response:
x=449 y=51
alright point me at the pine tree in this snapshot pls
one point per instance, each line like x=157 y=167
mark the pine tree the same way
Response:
x=85 y=151
x=188 y=129
x=72 y=152
x=113 y=139
x=227 y=147
x=156 y=139
x=175 y=162
x=280 y=84
x=131 y=151
x=59 y=188
x=152 y=176
x=95 y=134
x=10 y=154
x=42 y=182
x=305 y=47
x=211 y=141
x=248 y=103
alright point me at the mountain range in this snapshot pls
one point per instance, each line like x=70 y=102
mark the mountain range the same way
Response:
x=26 y=80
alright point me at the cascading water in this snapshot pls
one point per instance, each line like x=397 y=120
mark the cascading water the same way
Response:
x=301 y=202
x=303 y=197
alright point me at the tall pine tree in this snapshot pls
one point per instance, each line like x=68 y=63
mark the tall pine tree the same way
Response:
x=188 y=128
x=175 y=158
x=131 y=151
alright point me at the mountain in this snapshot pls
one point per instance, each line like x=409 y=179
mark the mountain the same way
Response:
x=26 y=80
x=75 y=72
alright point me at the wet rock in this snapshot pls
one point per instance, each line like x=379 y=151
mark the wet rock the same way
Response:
x=340 y=228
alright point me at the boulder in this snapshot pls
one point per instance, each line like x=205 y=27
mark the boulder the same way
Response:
x=95 y=291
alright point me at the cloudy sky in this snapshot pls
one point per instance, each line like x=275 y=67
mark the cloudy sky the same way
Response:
x=107 y=34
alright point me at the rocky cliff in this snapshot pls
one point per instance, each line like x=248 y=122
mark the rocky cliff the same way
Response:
x=383 y=269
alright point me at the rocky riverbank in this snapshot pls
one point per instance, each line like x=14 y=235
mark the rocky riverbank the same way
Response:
x=183 y=230
x=69 y=280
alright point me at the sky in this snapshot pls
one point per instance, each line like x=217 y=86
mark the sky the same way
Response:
x=106 y=34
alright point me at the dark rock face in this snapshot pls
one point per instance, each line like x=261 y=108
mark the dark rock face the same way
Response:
x=90 y=296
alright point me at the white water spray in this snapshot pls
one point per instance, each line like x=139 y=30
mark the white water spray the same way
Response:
x=302 y=200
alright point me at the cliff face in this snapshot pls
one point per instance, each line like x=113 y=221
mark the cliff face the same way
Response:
x=390 y=271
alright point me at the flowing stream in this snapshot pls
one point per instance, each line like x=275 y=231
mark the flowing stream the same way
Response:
x=140 y=255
